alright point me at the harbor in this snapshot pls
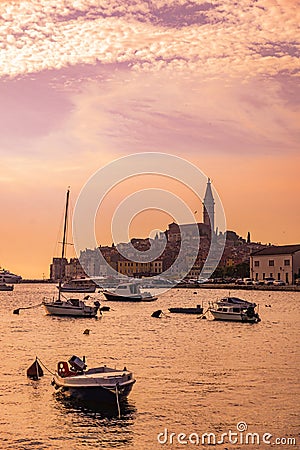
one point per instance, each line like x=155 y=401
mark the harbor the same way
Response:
x=227 y=371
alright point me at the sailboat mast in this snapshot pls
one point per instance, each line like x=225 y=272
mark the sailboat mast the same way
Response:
x=63 y=243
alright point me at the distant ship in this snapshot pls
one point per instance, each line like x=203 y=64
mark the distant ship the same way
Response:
x=9 y=277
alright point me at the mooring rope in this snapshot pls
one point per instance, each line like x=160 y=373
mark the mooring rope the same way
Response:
x=203 y=314
x=118 y=404
x=16 y=311
x=38 y=359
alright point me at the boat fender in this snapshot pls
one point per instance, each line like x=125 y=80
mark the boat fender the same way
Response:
x=63 y=369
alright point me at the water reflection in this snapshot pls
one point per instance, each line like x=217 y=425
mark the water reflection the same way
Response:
x=90 y=419
x=96 y=410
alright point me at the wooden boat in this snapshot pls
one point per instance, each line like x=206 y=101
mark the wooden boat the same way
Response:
x=102 y=384
x=128 y=292
x=63 y=306
x=197 y=310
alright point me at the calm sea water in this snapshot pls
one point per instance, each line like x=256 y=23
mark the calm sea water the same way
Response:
x=193 y=376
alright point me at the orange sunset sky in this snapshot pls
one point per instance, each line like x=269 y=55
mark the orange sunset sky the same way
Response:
x=85 y=82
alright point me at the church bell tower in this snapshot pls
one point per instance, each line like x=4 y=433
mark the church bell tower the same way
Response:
x=209 y=207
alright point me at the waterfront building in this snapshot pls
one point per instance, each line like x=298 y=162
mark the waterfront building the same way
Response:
x=281 y=262
x=57 y=268
x=133 y=269
x=74 y=269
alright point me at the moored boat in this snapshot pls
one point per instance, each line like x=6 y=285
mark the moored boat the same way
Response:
x=9 y=277
x=234 y=309
x=62 y=306
x=5 y=287
x=72 y=307
x=80 y=285
x=128 y=292
x=102 y=384
x=197 y=310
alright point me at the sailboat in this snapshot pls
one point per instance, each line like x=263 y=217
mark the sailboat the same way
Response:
x=62 y=306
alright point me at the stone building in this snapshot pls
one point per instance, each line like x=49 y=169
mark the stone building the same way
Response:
x=281 y=262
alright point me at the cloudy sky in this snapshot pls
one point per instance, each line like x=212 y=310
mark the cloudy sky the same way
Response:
x=83 y=82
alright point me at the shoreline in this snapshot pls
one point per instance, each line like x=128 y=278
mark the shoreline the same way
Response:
x=287 y=288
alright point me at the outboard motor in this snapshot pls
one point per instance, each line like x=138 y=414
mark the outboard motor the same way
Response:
x=250 y=312
x=77 y=363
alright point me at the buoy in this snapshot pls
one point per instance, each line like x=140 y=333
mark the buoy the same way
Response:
x=35 y=371
x=157 y=313
x=87 y=331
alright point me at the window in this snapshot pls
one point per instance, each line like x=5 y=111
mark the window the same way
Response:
x=264 y=275
x=256 y=263
x=286 y=262
x=271 y=275
x=271 y=262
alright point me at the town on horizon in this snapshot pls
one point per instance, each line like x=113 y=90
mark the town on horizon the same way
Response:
x=237 y=259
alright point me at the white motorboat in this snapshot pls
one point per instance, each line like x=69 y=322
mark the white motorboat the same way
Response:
x=72 y=307
x=9 y=277
x=6 y=287
x=80 y=285
x=234 y=309
x=128 y=292
x=100 y=384
x=63 y=306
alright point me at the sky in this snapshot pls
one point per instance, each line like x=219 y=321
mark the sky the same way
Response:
x=85 y=82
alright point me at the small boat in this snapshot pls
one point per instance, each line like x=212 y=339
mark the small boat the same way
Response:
x=83 y=285
x=128 y=292
x=72 y=307
x=101 y=384
x=5 y=287
x=234 y=309
x=197 y=310
x=9 y=277
x=157 y=283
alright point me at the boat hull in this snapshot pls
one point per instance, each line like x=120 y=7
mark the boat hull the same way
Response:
x=186 y=310
x=110 y=296
x=4 y=287
x=89 y=290
x=58 y=310
x=94 y=393
x=233 y=317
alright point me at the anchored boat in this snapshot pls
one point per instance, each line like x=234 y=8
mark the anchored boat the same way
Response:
x=80 y=285
x=197 y=310
x=63 y=306
x=128 y=292
x=6 y=287
x=9 y=277
x=234 y=309
x=102 y=384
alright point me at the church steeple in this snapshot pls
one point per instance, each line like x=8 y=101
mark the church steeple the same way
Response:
x=209 y=207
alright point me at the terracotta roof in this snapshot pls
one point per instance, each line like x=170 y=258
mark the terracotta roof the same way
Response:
x=277 y=250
